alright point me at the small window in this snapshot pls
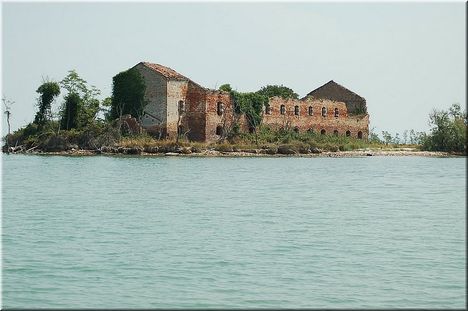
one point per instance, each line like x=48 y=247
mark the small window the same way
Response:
x=268 y=109
x=359 y=135
x=220 y=108
x=296 y=129
x=323 y=132
x=336 y=112
x=181 y=106
x=348 y=133
x=219 y=130
x=324 y=112
x=282 y=109
x=335 y=132
x=311 y=111
x=296 y=110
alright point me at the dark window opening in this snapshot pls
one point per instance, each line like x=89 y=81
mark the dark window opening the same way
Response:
x=324 y=112
x=220 y=108
x=181 y=106
x=219 y=130
x=296 y=129
x=359 y=135
x=311 y=130
x=296 y=110
x=335 y=132
x=323 y=132
x=282 y=109
x=251 y=129
x=348 y=133
x=268 y=109
x=311 y=111
x=336 y=112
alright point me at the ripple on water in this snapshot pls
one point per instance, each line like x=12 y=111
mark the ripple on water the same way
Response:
x=233 y=233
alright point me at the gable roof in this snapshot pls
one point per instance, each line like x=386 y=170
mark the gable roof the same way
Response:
x=334 y=91
x=167 y=72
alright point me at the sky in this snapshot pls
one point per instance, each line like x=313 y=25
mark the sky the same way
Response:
x=405 y=58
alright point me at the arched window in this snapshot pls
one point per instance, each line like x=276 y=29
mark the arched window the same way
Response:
x=324 y=112
x=336 y=112
x=268 y=109
x=335 y=132
x=282 y=109
x=219 y=130
x=220 y=108
x=181 y=106
x=359 y=135
x=296 y=129
x=323 y=132
x=311 y=111
x=348 y=133
x=296 y=110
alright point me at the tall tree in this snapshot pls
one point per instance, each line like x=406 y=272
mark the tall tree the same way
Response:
x=70 y=112
x=81 y=95
x=48 y=91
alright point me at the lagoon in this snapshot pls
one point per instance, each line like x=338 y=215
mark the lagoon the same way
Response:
x=174 y=232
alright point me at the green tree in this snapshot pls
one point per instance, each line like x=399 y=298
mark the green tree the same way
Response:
x=128 y=91
x=277 y=90
x=48 y=92
x=387 y=137
x=70 y=112
x=87 y=102
x=225 y=87
x=448 y=132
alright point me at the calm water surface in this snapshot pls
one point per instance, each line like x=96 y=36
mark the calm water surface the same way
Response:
x=92 y=232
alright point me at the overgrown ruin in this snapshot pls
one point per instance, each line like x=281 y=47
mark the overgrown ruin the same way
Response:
x=176 y=105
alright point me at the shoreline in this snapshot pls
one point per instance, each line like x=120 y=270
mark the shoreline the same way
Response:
x=249 y=153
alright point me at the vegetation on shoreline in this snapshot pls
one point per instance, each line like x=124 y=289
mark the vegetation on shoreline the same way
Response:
x=77 y=126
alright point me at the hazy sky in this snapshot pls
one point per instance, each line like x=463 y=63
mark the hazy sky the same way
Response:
x=404 y=58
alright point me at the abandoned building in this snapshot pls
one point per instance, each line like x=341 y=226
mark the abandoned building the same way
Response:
x=179 y=106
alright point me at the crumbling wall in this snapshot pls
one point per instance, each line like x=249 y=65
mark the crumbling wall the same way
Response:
x=176 y=93
x=155 y=95
x=218 y=123
x=194 y=119
x=315 y=122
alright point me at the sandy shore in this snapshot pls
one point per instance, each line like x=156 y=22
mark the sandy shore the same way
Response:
x=261 y=153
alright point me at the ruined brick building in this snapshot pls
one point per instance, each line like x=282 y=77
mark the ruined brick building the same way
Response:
x=177 y=104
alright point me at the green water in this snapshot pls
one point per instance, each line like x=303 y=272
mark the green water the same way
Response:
x=169 y=232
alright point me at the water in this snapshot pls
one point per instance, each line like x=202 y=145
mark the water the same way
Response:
x=168 y=232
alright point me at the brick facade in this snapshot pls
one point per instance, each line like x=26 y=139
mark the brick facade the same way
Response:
x=176 y=104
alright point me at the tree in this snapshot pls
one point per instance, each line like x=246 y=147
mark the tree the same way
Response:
x=387 y=137
x=128 y=91
x=448 y=132
x=277 y=90
x=49 y=90
x=81 y=103
x=7 y=103
x=70 y=112
x=225 y=88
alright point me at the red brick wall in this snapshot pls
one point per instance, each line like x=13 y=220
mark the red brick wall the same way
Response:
x=213 y=119
x=194 y=119
x=316 y=122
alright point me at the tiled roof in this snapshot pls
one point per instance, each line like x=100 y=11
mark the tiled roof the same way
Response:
x=166 y=71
